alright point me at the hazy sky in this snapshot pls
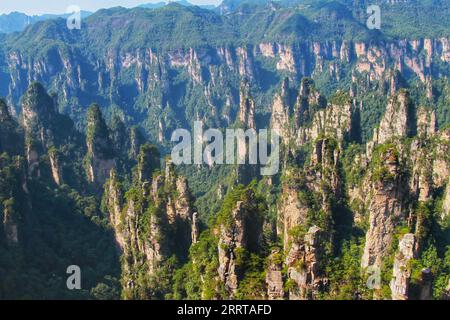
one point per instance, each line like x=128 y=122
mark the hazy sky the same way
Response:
x=32 y=7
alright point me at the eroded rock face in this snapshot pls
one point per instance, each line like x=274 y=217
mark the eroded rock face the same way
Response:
x=99 y=169
x=385 y=198
x=39 y=113
x=32 y=156
x=396 y=122
x=231 y=239
x=426 y=123
x=291 y=211
x=304 y=58
x=441 y=167
x=114 y=202
x=55 y=167
x=320 y=180
x=100 y=156
x=402 y=269
x=180 y=216
x=274 y=277
x=246 y=107
x=183 y=199
x=281 y=113
x=428 y=154
x=421 y=181
x=195 y=228
x=304 y=270
x=446 y=203
x=308 y=97
x=326 y=156
x=239 y=234
x=429 y=158
x=154 y=220
x=316 y=118
x=136 y=140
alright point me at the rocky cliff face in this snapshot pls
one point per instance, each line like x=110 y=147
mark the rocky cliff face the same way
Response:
x=335 y=120
x=402 y=269
x=397 y=121
x=231 y=241
x=274 y=277
x=246 y=107
x=308 y=99
x=441 y=159
x=311 y=197
x=211 y=71
x=50 y=136
x=310 y=116
x=238 y=234
x=386 y=206
x=281 y=112
x=38 y=117
x=100 y=157
x=446 y=204
x=56 y=167
x=422 y=160
x=291 y=211
x=428 y=156
x=152 y=221
x=304 y=266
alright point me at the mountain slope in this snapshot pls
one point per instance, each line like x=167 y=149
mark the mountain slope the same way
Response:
x=362 y=191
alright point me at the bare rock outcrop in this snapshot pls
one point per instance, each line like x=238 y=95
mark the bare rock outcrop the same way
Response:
x=290 y=211
x=304 y=266
x=274 y=277
x=441 y=167
x=307 y=99
x=56 y=167
x=100 y=157
x=246 y=107
x=385 y=197
x=114 y=201
x=239 y=233
x=232 y=239
x=281 y=112
x=402 y=269
x=446 y=201
x=396 y=122
x=153 y=220
x=335 y=119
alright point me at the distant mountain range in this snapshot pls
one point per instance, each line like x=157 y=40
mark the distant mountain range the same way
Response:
x=18 y=21
x=182 y=2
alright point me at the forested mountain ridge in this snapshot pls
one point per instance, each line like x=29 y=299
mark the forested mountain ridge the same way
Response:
x=363 y=187
x=195 y=63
